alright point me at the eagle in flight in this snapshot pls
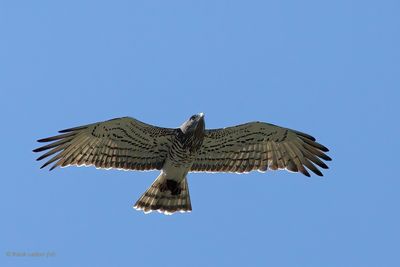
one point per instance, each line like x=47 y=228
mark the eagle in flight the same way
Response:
x=129 y=144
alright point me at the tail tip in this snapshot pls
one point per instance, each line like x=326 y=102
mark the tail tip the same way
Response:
x=148 y=210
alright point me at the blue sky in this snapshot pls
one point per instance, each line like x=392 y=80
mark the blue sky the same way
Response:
x=330 y=69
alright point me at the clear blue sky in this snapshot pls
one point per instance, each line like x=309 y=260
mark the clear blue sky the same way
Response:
x=328 y=68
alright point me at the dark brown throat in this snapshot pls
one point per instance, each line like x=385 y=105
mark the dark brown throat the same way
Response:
x=193 y=140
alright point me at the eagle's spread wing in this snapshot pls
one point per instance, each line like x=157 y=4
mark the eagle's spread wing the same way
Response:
x=259 y=146
x=123 y=143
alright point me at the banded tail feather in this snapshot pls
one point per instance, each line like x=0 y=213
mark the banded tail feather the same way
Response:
x=165 y=196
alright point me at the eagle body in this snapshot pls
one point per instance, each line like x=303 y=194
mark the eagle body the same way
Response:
x=128 y=144
x=170 y=191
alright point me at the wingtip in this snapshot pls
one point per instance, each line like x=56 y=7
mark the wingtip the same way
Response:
x=39 y=149
x=44 y=165
x=73 y=129
x=41 y=157
x=324 y=148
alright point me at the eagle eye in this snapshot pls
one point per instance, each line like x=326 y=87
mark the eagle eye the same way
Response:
x=193 y=117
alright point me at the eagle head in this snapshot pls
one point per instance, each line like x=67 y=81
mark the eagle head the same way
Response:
x=193 y=132
x=194 y=125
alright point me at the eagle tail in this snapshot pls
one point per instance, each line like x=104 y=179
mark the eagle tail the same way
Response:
x=165 y=196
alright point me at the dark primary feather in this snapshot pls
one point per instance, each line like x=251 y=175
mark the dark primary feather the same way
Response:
x=74 y=129
x=260 y=146
x=123 y=143
x=57 y=137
